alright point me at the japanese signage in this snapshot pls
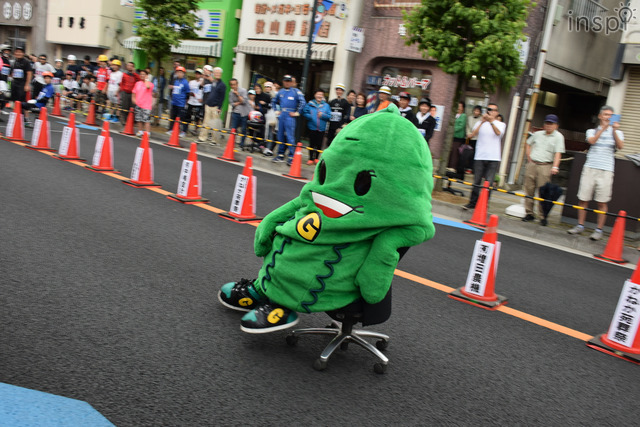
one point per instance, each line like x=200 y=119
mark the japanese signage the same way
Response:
x=37 y=127
x=438 y=117
x=356 y=40
x=137 y=162
x=97 y=154
x=11 y=124
x=624 y=325
x=289 y=21
x=185 y=177
x=239 y=194
x=16 y=12
x=405 y=82
x=66 y=140
x=480 y=265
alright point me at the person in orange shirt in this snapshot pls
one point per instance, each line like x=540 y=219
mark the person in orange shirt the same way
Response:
x=384 y=98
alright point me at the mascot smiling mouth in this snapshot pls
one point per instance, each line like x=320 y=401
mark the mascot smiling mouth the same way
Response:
x=331 y=207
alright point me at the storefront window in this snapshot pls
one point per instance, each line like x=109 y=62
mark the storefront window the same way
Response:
x=416 y=82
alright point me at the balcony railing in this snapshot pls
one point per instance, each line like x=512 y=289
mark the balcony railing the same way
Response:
x=588 y=9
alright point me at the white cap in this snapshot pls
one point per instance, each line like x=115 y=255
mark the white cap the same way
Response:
x=385 y=89
x=71 y=57
x=58 y=60
x=208 y=67
x=341 y=86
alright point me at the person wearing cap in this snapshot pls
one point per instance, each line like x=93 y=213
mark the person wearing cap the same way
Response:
x=544 y=149
x=405 y=110
x=102 y=82
x=239 y=102
x=113 y=88
x=425 y=122
x=58 y=74
x=288 y=104
x=180 y=91
x=129 y=80
x=5 y=69
x=42 y=99
x=69 y=90
x=73 y=66
x=384 y=98
x=40 y=67
x=195 y=111
x=340 y=112
x=213 y=100
x=86 y=67
x=21 y=74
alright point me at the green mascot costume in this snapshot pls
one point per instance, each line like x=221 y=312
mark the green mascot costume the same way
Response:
x=338 y=240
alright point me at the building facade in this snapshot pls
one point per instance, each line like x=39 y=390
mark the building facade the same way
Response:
x=21 y=22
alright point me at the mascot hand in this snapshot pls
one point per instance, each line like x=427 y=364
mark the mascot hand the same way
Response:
x=266 y=230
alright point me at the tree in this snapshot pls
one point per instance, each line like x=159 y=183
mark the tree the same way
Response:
x=165 y=24
x=468 y=38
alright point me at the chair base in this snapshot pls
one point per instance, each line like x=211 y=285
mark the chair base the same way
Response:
x=343 y=335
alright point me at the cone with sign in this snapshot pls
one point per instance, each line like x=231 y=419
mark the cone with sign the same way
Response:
x=243 y=205
x=190 y=182
x=57 y=111
x=142 y=171
x=103 y=153
x=623 y=337
x=15 y=126
x=41 y=137
x=615 y=245
x=479 y=217
x=174 y=140
x=480 y=287
x=229 y=154
x=91 y=117
x=128 y=127
x=296 y=165
x=70 y=142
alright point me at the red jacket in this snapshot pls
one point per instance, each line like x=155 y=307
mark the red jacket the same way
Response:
x=129 y=80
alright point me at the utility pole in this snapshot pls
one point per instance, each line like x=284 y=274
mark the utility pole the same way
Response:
x=307 y=58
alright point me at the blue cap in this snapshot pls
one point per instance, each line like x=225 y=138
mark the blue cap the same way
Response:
x=551 y=118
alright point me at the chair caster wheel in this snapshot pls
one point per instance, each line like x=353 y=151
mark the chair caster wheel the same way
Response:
x=382 y=345
x=379 y=368
x=292 y=340
x=344 y=346
x=319 y=365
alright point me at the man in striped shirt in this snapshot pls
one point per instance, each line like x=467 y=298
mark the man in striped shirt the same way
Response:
x=596 y=181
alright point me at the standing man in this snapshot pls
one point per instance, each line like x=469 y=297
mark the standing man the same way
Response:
x=102 y=80
x=194 y=104
x=596 y=180
x=239 y=102
x=129 y=80
x=213 y=100
x=472 y=121
x=21 y=74
x=487 y=157
x=41 y=66
x=179 y=88
x=384 y=98
x=405 y=110
x=544 y=149
x=74 y=67
x=340 y=110
x=159 y=84
x=113 y=88
x=288 y=104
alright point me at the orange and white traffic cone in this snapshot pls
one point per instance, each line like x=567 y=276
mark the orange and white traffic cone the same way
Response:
x=142 y=171
x=128 y=128
x=480 y=287
x=479 y=217
x=15 y=125
x=615 y=245
x=190 y=182
x=57 y=111
x=70 y=142
x=174 y=140
x=243 y=205
x=229 y=153
x=91 y=117
x=296 y=165
x=623 y=338
x=41 y=137
x=103 y=154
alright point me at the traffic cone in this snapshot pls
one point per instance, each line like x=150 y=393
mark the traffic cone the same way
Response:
x=41 y=137
x=243 y=205
x=15 y=125
x=296 y=165
x=174 y=141
x=128 y=128
x=479 y=217
x=473 y=292
x=103 y=153
x=229 y=154
x=190 y=182
x=57 y=111
x=70 y=141
x=91 y=117
x=615 y=245
x=142 y=171
x=622 y=340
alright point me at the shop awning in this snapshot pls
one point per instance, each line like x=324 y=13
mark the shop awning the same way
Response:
x=296 y=50
x=187 y=47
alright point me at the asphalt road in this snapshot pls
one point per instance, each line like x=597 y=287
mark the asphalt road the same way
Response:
x=108 y=295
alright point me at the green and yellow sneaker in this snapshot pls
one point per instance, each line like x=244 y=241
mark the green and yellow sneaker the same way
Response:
x=268 y=318
x=241 y=295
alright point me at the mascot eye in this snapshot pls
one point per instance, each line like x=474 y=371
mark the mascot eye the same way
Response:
x=362 y=185
x=322 y=172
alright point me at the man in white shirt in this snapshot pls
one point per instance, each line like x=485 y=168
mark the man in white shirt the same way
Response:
x=195 y=112
x=488 y=133
x=113 y=88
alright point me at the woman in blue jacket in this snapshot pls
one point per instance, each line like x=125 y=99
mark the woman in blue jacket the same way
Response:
x=317 y=112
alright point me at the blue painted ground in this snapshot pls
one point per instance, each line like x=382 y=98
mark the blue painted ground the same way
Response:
x=456 y=224
x=81 y=126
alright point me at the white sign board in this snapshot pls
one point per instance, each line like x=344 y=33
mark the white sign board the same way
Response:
x=37 y=127
x=185 y=178
x=137 y=162
x=481 y=262
x=439 y=116
x=66 y=140
x=356 y=40
x=239 y=194
x=97 y=153
x=624 y=325
x=11 y=124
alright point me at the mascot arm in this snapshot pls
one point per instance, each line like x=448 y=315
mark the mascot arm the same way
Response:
x=375 y=276
x=265 y=231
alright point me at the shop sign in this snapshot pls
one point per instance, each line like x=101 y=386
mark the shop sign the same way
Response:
x=16 y=11
x=356 y=41
x=289 y=21
x=405 y=82
x=374 y=80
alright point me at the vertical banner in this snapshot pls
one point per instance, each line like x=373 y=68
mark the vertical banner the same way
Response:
x=65 y=141
x=626 y=319
x=321 y=12
x=239 y=194
x=479 y=269
x=137 y=162
x=11 y=124
x=37 y=127
x=98 y=151
x=185 y=178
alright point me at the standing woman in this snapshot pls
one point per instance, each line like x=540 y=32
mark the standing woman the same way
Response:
x=459 y=136
x=361 y=106
x=317 y=112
